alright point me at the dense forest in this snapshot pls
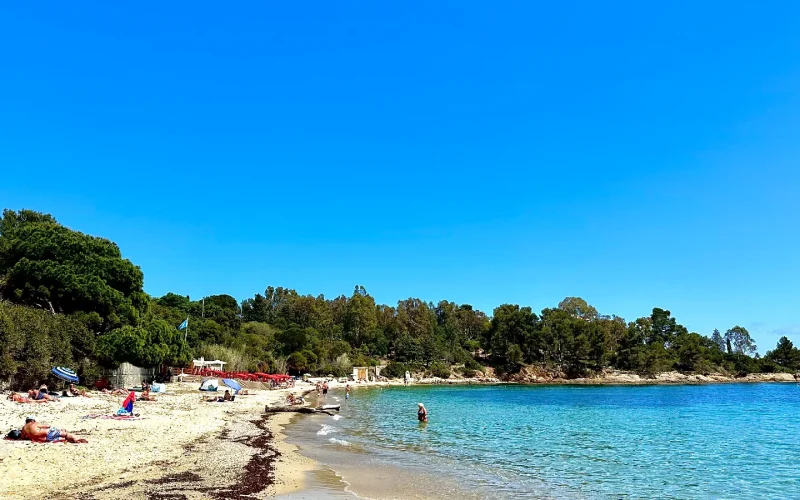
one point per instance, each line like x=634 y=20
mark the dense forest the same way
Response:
x=67 y=298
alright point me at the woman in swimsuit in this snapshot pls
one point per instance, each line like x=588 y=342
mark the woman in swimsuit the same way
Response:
x=19 y=398
x=422 y=413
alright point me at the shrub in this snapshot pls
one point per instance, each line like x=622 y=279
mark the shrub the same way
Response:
x=236 y=359
x=440 y=370
x=279 y=365
x=471 y=364
x=297 y=363
x=395 y=370
x=340 y=367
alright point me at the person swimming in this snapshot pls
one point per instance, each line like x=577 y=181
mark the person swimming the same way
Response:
x=422 y=413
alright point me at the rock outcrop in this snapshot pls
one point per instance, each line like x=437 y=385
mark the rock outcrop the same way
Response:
x=541 y=375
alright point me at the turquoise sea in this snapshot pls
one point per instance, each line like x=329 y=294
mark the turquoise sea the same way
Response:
x=709 y=441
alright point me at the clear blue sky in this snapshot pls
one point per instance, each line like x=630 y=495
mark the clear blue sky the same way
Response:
x=636 y=155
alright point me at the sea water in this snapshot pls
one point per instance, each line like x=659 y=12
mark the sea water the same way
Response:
x=704 y=441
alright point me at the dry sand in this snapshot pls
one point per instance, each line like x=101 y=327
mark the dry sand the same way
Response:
x=181 y=448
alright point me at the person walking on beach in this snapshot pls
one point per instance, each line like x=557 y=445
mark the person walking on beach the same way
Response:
x=422 y=413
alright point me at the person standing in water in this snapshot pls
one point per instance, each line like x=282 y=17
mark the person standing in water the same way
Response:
x=422 y=413
x=347 y=392
x=325 y=388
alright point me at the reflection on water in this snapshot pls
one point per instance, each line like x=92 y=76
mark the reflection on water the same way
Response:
x=736 y=440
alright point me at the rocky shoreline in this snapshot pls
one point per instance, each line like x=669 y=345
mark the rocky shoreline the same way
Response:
x=536 y=375
x=530 y=375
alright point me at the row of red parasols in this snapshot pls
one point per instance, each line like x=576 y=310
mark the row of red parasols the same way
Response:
x=253 y=377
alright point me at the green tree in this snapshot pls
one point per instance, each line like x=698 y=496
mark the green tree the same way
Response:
x=297 y=363
x=46 y=265
x=359 y=320
x=716 y=337
x=663 y=328
x=578 y=308
x=151 y=345
x=514 y=325
x=785 y=354
x=739 y=338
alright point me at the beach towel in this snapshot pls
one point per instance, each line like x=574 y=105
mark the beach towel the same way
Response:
x=29 y=441
x=134 y=416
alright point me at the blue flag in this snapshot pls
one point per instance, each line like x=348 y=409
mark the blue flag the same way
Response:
x=184 y=325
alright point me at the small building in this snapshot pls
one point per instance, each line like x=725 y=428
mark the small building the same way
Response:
x=366 y=373
x=202 y=364
x=128 y=375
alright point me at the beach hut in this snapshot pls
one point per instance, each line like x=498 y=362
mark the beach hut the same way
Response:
x=366 y=373
x=215 y=365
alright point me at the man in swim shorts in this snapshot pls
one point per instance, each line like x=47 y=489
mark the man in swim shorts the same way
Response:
x=46 y=434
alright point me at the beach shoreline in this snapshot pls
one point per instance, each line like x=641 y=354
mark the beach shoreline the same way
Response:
x=184 y=448
x=179 y=447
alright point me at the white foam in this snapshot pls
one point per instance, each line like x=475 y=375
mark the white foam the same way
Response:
x=337 y=417
x=326 y=429
x=337 y=399
x=341 y=442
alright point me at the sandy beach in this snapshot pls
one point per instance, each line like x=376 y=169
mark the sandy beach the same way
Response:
x=181 y=447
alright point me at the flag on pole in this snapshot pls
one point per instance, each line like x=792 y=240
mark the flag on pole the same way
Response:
x=184 y=325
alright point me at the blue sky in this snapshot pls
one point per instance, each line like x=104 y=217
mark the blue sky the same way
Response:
x=634 y=155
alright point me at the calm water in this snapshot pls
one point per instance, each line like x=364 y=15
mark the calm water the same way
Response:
x=714 y=441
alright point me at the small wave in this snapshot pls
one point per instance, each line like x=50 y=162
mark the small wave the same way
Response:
x=326 y=429
x=340 y=442
x=337 y=417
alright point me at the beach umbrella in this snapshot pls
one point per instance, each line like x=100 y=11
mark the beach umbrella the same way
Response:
x=232 y=384
x=65 y=374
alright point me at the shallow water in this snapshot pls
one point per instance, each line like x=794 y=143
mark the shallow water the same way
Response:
x=711 y=441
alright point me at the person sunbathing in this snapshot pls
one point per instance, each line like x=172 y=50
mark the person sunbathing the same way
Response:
x=221 y=399
x=115 y=392
x=293 y=400
x=40 y=396
x=46 y=434
x=74 y=392
x=146 y=395
x=19 y=398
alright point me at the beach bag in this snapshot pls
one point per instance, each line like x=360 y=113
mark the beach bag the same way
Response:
x=15 y=434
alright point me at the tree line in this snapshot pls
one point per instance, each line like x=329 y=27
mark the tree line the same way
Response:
x=70 y=298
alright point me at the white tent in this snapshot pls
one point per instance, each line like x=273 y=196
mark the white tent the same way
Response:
x=210 y=384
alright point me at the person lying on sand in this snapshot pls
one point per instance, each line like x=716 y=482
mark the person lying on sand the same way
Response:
x=222 y=399
x=46 y=434
x=115 y=392
x=20 y=398
x=74 y=392
x=295 y=400
x=41 y=395
x=146 y=395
